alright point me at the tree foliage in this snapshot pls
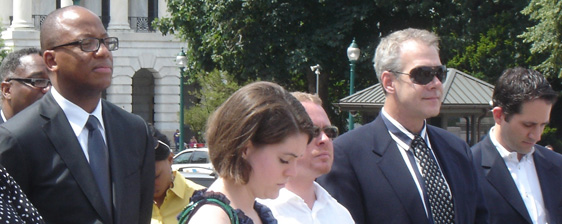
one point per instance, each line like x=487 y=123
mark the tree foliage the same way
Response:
x=278 y=40
x=3 y=52
x=481 y=37
x=215 y=87
x=546 y=35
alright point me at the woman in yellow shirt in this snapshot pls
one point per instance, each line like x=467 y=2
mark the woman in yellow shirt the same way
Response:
x=171 y=190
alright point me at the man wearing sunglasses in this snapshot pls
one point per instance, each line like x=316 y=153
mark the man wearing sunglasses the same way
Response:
x=24 y=80
x=521 y=180
x=79 y=158
x=398 y=168
x=303 y=200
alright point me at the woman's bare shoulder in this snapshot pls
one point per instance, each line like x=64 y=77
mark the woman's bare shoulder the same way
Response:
x=210 y=213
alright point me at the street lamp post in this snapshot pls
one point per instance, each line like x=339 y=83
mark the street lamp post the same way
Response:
x=316 y=70
x=353 y=54
x=181 y=62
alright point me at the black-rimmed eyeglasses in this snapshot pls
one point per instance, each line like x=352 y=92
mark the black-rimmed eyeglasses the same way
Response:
x=93 y=44
x=32 y=82
x=330 y=131
x=424 y=74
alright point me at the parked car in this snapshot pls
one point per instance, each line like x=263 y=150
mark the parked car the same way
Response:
x=194 y=164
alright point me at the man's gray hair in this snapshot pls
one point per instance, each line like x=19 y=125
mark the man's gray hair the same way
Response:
x=12 y=61
x=387 y=54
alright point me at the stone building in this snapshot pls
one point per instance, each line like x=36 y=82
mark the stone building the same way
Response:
x=145 y=77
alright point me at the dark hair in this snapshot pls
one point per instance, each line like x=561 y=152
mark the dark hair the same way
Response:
x=261 y=113
x=12 y=61
x=161 y=144
x=520 y=85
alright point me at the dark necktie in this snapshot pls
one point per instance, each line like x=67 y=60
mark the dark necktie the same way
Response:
x=99 y=160
x=440 y=200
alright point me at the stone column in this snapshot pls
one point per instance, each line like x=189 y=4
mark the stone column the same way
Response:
x=64 y=3
x=119 y=15
x=22 y=15
x=5 y=13
x=163 y=9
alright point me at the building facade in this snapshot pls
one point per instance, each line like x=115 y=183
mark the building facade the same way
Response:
x=145 y=77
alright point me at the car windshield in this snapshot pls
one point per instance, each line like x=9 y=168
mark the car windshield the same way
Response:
x=200 y=157
x=183 y=158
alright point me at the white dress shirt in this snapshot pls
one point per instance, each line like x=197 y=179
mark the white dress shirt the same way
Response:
x=77 y=117
x=3 y=117
x=289 y=208
x=526 y=179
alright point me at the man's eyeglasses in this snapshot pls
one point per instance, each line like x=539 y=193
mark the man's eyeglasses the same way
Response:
x=424 y=74
x=32 y=82
x=330 y=131
x=93 y=44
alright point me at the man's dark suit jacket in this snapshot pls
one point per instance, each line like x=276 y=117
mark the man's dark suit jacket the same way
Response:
x=40 y=150
x=504 y=202
x=370 y=178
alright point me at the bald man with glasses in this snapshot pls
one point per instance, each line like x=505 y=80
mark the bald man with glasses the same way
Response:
x=79 y=158
x=24 y=80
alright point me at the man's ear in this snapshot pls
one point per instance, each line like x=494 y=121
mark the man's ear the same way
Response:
x=498 y=114
x=5 y=87
x=49 y=58
x=387 y=80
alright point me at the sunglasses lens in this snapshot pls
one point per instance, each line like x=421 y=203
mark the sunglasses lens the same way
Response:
x=41 y=83
x=424 y=75
x=331 y=131
x=316 y=132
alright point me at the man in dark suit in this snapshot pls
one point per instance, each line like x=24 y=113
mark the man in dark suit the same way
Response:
x=398 y=169
x=24 y=78
x=79 y=158
x=521 y=181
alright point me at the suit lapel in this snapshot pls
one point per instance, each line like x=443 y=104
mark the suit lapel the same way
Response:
x=117 y=141
x=112 y=134
x=550 y=187
x=499 y=177
x=61 y=135
x=393 y=166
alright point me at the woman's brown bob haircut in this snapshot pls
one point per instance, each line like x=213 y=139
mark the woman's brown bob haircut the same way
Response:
x=261 y=113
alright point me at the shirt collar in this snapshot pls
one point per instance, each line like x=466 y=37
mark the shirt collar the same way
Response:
x=77 y=117
x=504 y=153
x=3 y=116
x=178 y=188
x=399 y=130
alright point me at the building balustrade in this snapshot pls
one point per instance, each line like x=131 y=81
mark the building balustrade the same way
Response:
x=137 y=24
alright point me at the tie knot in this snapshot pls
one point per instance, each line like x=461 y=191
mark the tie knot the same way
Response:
x=418 y=137
x=92 y=123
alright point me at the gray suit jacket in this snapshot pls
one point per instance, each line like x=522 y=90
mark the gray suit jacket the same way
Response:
x=503 y=200
x=40 y=150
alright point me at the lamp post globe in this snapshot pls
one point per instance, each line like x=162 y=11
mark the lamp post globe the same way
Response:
x=353 y=53
x=181 y=62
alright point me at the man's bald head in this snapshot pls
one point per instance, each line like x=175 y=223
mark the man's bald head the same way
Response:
x=52 y=25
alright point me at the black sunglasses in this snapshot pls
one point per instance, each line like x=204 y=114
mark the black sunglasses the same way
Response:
x=424 y=74
x=32 y=82
x=330 y=131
